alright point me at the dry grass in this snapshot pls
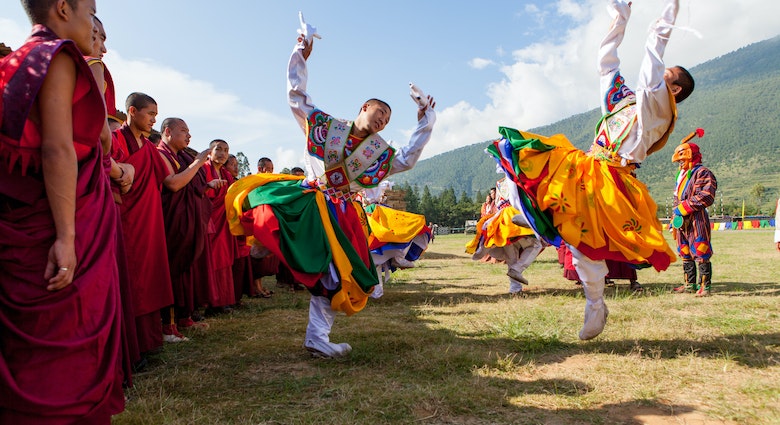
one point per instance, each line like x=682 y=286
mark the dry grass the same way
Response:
x=446 y=345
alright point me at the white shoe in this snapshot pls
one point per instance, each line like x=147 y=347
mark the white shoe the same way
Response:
x=595 y=319
x=327 y=350
x=175 y=339
x=516 y=275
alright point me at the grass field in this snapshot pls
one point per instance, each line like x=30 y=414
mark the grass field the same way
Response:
x=447 y=345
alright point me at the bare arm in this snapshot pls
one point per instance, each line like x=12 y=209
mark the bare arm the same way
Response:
x=60 y=168
x=105 y=134
x=176 y=181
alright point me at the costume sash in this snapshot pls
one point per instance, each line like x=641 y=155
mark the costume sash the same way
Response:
x=613 y=128
x=340 y=171
x=346 y=159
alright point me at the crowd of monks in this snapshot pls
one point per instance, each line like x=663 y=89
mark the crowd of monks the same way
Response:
x=110 y=244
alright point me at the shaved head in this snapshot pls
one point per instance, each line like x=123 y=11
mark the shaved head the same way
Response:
x=38 y=10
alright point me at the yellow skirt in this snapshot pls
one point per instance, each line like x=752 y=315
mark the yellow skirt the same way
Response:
x=595 y=205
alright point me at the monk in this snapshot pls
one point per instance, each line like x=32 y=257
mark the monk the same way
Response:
x=122 y=177
x=185 y=230
x=224 y=247
x=60 y=318
x=142 y=220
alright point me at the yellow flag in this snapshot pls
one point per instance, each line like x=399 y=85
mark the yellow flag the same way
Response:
x=743 y=210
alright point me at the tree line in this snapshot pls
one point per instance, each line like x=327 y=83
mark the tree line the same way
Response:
x=444 y=209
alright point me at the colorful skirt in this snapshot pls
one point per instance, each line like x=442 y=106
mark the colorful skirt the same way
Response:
x=395 y=232
x=308 y=233
x=495 y=231
x=595 y=205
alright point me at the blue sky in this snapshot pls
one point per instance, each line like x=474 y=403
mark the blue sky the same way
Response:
x=489 y=63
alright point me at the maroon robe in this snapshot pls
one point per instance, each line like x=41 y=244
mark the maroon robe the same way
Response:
x=131 y=351
x=143 y=228
x=224 y=248
x=60 y=351
x=185 y=231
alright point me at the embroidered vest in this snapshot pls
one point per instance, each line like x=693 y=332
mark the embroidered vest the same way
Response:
x=347 y=159
x=613 y=128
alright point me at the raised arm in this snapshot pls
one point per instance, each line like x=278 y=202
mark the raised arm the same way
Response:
x=297 y=77
x=651 y=74
x=407 y=156
x=655 y=115
x=612 y=84
x=177 y=181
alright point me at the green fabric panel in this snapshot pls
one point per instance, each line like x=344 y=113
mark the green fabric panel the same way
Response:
x=302 y=239
x=542 y=222
x=366 y=277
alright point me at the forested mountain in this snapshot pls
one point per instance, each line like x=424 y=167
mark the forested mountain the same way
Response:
x=736 y=101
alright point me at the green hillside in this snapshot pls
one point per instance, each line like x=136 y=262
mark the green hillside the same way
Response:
x=736 y=101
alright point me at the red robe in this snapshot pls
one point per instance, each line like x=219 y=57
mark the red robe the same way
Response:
x=130 y=349
x=224 y=247
x=185 y=231
x=60 y=358
x=143 y=228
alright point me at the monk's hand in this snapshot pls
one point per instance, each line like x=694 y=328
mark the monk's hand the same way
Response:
x=61 y=265
x=421 y=112
x=217 y=183
x=128 y=174
x=203 y=156
x=778 y=246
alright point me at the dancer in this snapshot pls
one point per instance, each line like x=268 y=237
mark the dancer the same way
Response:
x=397 y=239
x=592 y=201
x=695 y=192
x=313 y=225
x=498 y=237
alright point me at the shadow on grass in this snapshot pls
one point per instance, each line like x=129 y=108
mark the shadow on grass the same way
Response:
x=442 y=256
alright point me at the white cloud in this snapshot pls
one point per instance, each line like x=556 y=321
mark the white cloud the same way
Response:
x=572 y=9
x=551 y=80
x=480 y=63
x=210 y=112
x=12 y=34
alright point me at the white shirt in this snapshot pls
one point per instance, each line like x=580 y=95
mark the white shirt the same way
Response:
x=654 y=113
x=302 y=105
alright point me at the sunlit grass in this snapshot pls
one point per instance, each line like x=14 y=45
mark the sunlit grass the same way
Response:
x=447 y=345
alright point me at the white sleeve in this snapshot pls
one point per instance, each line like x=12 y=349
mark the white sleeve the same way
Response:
x=406 y=157
x=654 y=111
x=297 y=77
x=777 y=223
x=608 y=62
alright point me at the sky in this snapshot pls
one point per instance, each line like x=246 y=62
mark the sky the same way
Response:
x=221 y=66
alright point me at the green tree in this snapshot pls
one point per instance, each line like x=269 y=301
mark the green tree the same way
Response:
x=758 y=192
x=428 y=206
x=243 y=165
x=447 y=206
x=411 y=197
